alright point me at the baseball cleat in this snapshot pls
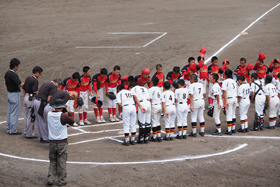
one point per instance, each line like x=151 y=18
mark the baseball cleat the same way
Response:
x=185 y=136
x=201 y=133
x=246 y=129
x=159 y=139
x=87 y=122
x=193 y=134
x=270 y=127
x=228 y=132
x=112 y=119
x=116 y=119
x=81 y=123
x=75 y=124
x=140 y=142
x=278 y=125
x=120 y=116
x=167 y=139
x=102 y=120
x=126 y=143
x=154 y=139
x=216 y=133
x=233 y=131
x=98 y=120
x=132 y=142
x=171 y=138
x=179 y=137
x=241 y=130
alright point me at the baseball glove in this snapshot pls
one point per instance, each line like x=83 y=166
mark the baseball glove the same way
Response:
x=80 y=101
x=75 y=105
x=210 y=112
x=111 y=95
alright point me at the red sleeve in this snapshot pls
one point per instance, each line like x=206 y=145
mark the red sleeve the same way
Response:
x=186 y=73
x=78 y=90
x=224 y=67
x=106 y=87
x=149 y=84
x=62 y=87
x=200 y=64
x=271 y=64
x=256 y=66
x=248 y=79
x=119 y=81
x=95 y=86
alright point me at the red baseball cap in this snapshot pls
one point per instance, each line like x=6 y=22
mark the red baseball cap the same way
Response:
x=202 y=51
x=226 y=60
x=276 y=61
x=261 y=57
x=193 y=67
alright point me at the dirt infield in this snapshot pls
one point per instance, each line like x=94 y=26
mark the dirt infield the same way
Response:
x=47 y=33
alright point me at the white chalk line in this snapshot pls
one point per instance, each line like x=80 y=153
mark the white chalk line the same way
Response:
x=136 y=32
x=107 y=47
x=154 y=40
x=2 y=122
x=222 y=48
x=115 y=140
x=247 y=137
x=176 y=159
x=96 y=139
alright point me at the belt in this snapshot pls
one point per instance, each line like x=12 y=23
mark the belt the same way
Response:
x=259 y=94
x=39 y=99
x=142 y=100
x=181 y=103
x=231 y=97
x=169 y=105
x=155 y=104
x=128 y=104
x=197 y=99
x=14 y=92
x=244 y=98
x=272 y=96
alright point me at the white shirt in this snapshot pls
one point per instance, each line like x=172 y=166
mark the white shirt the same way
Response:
x=125 y=97
x=168 y=98
x=244 y=91
x=196 y=89
x=57 y=131
x=255 y=87
x=277 y=82
x=271 y=90
x=141 y=93
x=216 y=90
x=155 y=94
x=229 y=85
x=181 y=94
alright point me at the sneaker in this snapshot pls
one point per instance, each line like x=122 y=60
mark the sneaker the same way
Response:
x=233 y=131
x=270 y=127
x=87 y=122
x=116 y=119
x=228 y=132
x=171 y=138
x=120 y=116
x=81 y=123
x=179 y=137
x=201 y=134
x=217 y=133
x=278 y=125
x=68 y=125
x=246 y=129
x=102 y=120
x=159 y=139
x=167 y=139
x=185 y=136
x=132 y=142
x=112 y=119
x=126 y=143
x=75 y=124
x=193 y=134
x=140 y=142
x=210 y=106
x=154 y=139
x=146 y=141
x=98 y=120
x=241 y=130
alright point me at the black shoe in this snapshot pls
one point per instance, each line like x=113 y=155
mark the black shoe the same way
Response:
x=32 y=137
x=179 y=137
x=228 y=133
x=241 y=130
x=63 y=184
x=201 y=133
x=140 y=142
x=184 y=136
x=132 y=142
x=278 y=125
x=50 y=183
x=159 y=139
x=44 y=141
x=193 y=134
x=246 y=129
x=217 y=133
x=146 y=141
x=233 y=131
x=126 y=143
x=167 y=139
x=154 y=139
x=171 y=138
x=270 y=127
x=15 y=133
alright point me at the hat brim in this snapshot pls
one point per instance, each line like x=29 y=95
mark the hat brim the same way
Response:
x=59 y=106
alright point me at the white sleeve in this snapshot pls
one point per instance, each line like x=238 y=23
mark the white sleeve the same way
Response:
x=252 y=87
x=215 y=91
x=118 y=99
x=176 y=93
x=150 y=93
x=266 y=90
x=133 y=91
x=224 y=87
x=240 y=91
x=163 y=97
x=191 y=89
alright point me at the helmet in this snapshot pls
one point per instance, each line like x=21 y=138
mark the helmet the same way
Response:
x=175 y=83
x=210 y=112
x=250 y=67
x=145 y=71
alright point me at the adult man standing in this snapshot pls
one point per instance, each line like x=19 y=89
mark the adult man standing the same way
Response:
x=13 y=85
x=44 y=95
x=58 y=149
x=30 y=90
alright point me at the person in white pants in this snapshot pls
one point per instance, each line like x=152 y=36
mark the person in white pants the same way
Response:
x=218 y=102
x=278 y=88
x=272 y=98
x=197 y=105
x=141 y=94
x=155 y=99
x=168 y=106
x=244 y=102
x=229 y=93
x=181 y=98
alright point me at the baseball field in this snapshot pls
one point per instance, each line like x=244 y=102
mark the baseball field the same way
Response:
x=63 y=36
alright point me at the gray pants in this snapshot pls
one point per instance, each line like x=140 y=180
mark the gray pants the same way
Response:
x=28 y=125
x=47 y=109
x=14 y=102
x=58 y=153
x=42 y=127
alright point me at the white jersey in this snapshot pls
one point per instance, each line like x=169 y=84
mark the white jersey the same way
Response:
x=255 y=87
x=125 y=98
x=181 y=94
x=197 y=90
x=271 y=90
x=141 y=93
x=244 y=91
x=229 y=85
x=168 y=98
x=277 y=82
x=155 y=94
x=216 y=90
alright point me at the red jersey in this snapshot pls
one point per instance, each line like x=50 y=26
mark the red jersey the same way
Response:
x=273 y=70
x=203 y=71
x=69 y=85
x=125 y=83
x=243 y=71
x=141 y=81
x=97 y=78
x=262 y=72
x=160 y=77
x=85 y=83
x=213 y=69
x=187 y=73
x=171 y=77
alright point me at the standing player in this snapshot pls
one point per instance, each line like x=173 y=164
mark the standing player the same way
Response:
x=203 y=72
x=218 y=102
x=230 y=94
x=168 y=106
x=213 y=68
x=191 y=69
x=144 y=78
x=272 y=101
x=181 y=97
x=261 y=69
x=156 y=109
x=259 y=97
x=84 y=86
x=99 y=81
x=223 y=69
x=244 y=102
x=113 y=79
x=30 y=91
x=141 y=94
x=197 y=105
x=126 y=80
x=71 y=84
x=274 y=69
x=159 y=75
x=173 y=75
x=243 y=70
